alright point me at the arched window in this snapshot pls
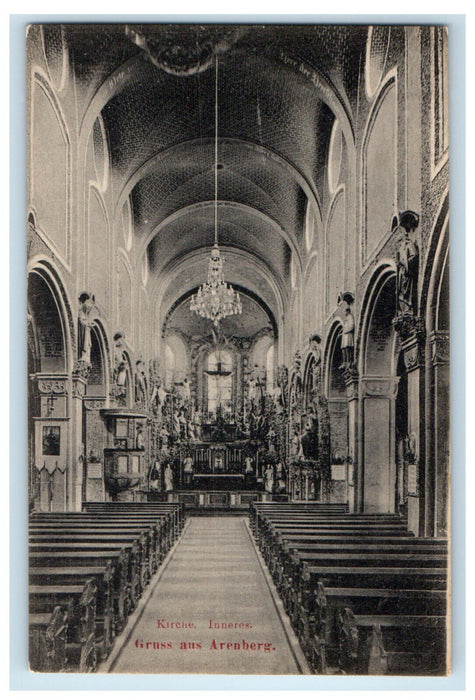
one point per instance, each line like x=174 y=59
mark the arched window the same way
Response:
x=219 y=371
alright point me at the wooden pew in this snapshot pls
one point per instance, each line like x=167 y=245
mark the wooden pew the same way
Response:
x=321 y=627
x=286 y=567
x=367 y=563
x=176 y=511
x=47 y=639
x=263 y=509
x=141 y=543
x=349 y=526
x=68 y=566
x=159 y=529
x=287 y=541
x=267 y=541
x=104 y=578
x=119 y=549
x=138 y=574
x=396 y=644
x=165 y=522
x=79 y=602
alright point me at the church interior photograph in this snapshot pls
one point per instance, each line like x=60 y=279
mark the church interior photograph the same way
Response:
x=238 y=349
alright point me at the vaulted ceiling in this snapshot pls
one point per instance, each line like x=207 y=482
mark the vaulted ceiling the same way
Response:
x=280 y=89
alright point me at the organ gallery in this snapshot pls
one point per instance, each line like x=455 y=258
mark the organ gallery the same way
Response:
x=238 y=348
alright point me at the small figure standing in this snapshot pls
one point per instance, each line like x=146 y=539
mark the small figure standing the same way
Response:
x=269 y=478
x=295 y=441
x=168 y=477
x=140 y=383
x=182 y=422
x=188 y=469
x=280 y=477
x=407 y=263
x=348 y=338
x=87 y=303
x=164 y=437
x=155 y=477
x=186 y=389
x=139 y=439
x=251 y=388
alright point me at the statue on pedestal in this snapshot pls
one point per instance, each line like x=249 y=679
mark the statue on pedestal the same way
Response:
x=407 y=263
x=140 y=383
x=269 y=478
x=168 y=475
x=188 y=469
x=348 y=338
x=87 y=304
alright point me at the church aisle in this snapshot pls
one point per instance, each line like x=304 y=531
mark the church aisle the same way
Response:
x=211 y=611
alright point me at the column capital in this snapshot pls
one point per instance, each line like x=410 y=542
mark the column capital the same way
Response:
x=407 y=325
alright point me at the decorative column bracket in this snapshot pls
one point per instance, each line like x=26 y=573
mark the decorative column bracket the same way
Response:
x=407 y=326
x=411 y=330
x=53 y=384
x=94 y=403
x=80 y=376
x=379 y=387
x=440 y=347
x=351 y=377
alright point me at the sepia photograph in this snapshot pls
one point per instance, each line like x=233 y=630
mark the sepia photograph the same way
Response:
x=238 y=348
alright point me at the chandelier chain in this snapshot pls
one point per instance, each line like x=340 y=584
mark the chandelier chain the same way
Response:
x=216 y=152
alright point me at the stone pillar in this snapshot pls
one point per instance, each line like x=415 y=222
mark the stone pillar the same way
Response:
x=338 y=413
x=377 y=489
x=351 y=380
x=438 y=437
x=75 y=486
x=51 y=460
x=413 y=355
x=94 y=443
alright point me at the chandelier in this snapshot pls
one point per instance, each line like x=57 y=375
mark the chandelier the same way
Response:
x=215 y=299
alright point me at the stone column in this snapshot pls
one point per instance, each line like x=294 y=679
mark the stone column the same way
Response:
x=417 y=485
x=377 y=488
x=351 y=380
x=438 y=437
x=338 y=412
x=95 y=441
x=75 y=487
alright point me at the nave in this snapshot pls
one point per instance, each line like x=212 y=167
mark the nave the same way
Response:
x=238 y=305
x=215 y=582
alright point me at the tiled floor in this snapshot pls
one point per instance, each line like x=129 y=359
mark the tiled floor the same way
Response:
x=214 y=578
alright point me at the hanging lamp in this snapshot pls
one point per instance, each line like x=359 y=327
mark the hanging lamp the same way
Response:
x=215 y=299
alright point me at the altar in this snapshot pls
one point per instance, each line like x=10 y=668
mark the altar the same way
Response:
x=217 y=458
x=219 y=466
x=222 y=482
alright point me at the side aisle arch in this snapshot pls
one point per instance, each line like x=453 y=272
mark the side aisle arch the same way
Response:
x=51 y=339
x=376 y=477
